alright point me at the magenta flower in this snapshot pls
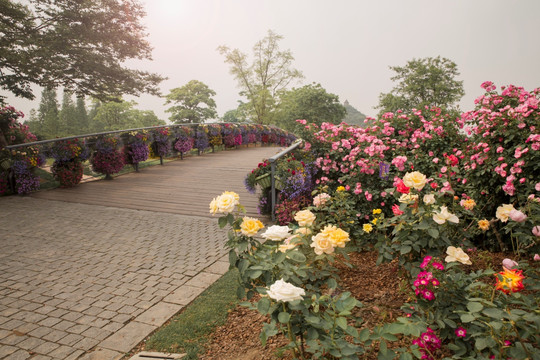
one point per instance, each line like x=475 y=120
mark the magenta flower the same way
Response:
x=461 y=332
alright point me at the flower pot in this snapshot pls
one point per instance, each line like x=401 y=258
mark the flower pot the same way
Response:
x=265 y=181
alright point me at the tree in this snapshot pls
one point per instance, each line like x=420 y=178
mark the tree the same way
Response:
x=122 y=116
x=81 y=115
x=80 y=45
x=48 y=114
x=68 y=116
x=193 y=103
x=353 y=117
x=270 y=73
x=234 y=116
x=423 y=82
x=310 y=102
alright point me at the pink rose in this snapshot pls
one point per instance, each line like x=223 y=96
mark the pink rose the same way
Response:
x=536 y=257
x=536 y=231
x=396 y=210
x=509 y=264
x=517 y=216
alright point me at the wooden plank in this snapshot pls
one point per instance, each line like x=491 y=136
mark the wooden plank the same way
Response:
x=181 y=187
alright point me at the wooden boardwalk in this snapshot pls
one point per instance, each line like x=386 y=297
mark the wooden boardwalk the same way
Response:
x=180 y=187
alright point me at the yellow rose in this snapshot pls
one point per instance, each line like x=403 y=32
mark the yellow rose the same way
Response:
x=408 y=198
x=304 y=218
x=377 y=211
x=303 y=231
x=338 y=237
x=322 y=244
x=415 y=180
x=234 y=195
x=340 y=188
x=250 y=226
x=367 y=228
x=483 y=224
x=226 y=202
x=503 y=212
x=213 y=206
x=290 y=243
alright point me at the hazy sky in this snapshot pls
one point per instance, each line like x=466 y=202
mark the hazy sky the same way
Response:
x=345 y=45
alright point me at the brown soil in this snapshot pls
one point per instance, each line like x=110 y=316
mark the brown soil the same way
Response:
x=380 y=288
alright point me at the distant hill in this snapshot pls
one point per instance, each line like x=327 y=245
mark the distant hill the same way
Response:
x=353 y=117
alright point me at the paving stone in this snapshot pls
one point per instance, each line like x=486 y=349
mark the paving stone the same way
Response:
x=103 y=354
x=46 y=348
x=184 y=295
x=219 y=267
x=6 y=350
x=159 y=314
x=127 y=337
x=19 y=355
x=203 y=280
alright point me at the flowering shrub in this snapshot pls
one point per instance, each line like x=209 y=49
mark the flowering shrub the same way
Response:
x=214 y=135
x=201 y=139
x=136 y=150
x=69 y=155
x=107 y=159
x=184 y=140
x=161 y=145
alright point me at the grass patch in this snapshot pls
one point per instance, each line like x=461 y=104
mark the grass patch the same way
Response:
x=189 y=331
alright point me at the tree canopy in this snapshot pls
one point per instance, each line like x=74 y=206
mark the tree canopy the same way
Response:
x=193 y=103
x=310 y=102
x=79 y=45
x=423 y=82
x=270 y=73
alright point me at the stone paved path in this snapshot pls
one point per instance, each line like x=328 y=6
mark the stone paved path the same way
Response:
x=84 y=281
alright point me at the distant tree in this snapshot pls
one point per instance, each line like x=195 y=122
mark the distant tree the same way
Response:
x=81 y=115
x=353 y=117
x=192 y=103
x=48 y=114
x=270 y=73
x=68 y=115
x=80 y=45
x=121 y=116
x=423 y=82
x=234 y=116
x=310 y=102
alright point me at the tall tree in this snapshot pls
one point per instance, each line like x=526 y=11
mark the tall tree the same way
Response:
x=68 y=117
x=48 y=114
x=234 y=116
x=121 y=116
x=270 y=73
x=423 y=82
x=81 y=115
x=80 y=45
x=310 y=102
x=192 y=103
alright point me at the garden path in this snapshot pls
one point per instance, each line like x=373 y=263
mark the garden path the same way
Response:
x=89 y=272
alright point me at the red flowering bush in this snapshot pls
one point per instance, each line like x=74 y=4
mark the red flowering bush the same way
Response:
x=68 y=173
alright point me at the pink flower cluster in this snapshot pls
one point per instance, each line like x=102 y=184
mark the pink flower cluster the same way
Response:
x=428 y=343
x=425 y=282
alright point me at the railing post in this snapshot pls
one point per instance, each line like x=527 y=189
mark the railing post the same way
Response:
x=273 y=187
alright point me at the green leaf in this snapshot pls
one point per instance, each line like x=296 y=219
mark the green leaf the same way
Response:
x=342 y=322
x=240 y=292
x=222 y=221
x=254 y=274
x=434 y=233
x=297 y=256
x=481 y=343
x=364 y=335
x=493 y=313
x=263 y=305
x=474 y=306
x=467 y=317
x=331 y=283
x=284 y=317
x=405 y=249
x=232 y=258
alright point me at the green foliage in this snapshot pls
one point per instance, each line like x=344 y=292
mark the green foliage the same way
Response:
x=79 y=45
x=193 y=103
x=310 y=102
x=122 y=115
x=423 y=82
x=270 y=73
x=353 y=116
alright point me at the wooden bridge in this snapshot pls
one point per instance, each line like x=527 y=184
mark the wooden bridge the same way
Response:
x=180 y=187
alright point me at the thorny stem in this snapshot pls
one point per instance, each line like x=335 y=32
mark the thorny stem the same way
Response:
x=296 y=350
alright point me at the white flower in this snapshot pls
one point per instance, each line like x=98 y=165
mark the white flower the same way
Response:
x=224 y=203
x=444 y=216
x=429 y=199
x=283 y=291
x=322 y=244
x=503 y=212
x=457 y=254
x=276 y=233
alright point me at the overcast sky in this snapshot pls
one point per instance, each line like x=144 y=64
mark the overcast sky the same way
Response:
x=345 y=45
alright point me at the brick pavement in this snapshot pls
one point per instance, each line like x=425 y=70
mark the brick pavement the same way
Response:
x=82 y=281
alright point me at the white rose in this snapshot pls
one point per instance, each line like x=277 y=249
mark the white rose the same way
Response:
x=276 y=233
x=283 y=291
x=443 y=216
x=305 y=218
x=456 y=254
x=322 y=244
x=503 y=212
x=429 y=199
x=226 y=202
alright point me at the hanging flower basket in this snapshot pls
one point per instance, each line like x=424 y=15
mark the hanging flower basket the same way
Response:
x=265 y=181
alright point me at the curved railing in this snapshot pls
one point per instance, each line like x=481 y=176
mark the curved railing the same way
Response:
x=219 y=136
